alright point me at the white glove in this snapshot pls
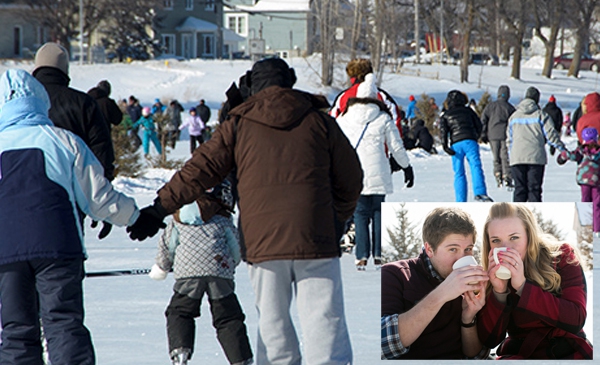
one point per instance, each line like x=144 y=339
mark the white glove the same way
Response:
x=156 y=273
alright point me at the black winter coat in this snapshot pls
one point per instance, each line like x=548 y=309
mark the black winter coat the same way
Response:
x=79 y=113
x=459 y=122
x=495 y=119
x=423 y=137
x=556 y=114
x=203 y=112
x=111 y=111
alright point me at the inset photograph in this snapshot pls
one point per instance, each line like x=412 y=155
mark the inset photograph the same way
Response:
x=487 y=281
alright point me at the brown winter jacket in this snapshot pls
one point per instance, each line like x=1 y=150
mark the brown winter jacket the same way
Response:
x=297 y=173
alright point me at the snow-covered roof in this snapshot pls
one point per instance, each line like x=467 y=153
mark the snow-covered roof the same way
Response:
x=275 y=6
x=191 y=24
x=231 y=36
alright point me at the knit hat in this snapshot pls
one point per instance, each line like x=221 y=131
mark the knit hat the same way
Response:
x=552 y=99
x=358 y=69
x=146 y=111
x=52 y=55
x=533 y=94
x=589 y=135
x=192 y=109
x=411 y=98
x=104 y=85
x=367 y=88
x=270 y=72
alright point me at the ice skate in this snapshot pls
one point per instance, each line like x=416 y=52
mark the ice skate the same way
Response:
x=483 y=198
x=509 y=184
x=180 y=356
x=377 y=263
x=361 y=265
x=347 y=243
x=499 y=180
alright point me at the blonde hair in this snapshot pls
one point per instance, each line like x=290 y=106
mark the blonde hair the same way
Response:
x=542 y=249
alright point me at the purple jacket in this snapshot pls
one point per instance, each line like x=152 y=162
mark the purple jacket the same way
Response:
x=194 y=124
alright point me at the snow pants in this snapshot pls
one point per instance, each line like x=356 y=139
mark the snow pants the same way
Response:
x=227 y=314
x=50 y=289
x=368 y=210
x=195 y=141
x=500 y=158
x=150 y=136
x=320 y=301
x=468 y=149
x=592 y=194
x=528 y=182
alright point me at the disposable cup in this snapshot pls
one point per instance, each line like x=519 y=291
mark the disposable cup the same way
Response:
x=465 y=261
x=503 y=272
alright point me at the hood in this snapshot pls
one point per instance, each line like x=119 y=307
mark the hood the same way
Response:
x=52 y=76
x=504 y=92
x=528 y=106
x=363 y=110
x=591 y=102
x=279 y=107
x=97 y=93
x=23 y=100
x=455 y=99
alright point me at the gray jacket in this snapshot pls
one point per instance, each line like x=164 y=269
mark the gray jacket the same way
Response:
x=529 y=129
x=495 y=116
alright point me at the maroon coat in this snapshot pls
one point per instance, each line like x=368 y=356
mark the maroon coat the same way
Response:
x=403 y=284
x=540 y=325
x=297 y=173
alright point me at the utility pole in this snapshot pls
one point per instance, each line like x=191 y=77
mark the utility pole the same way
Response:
x=81 y=32
x=417 y=36
x=442 y=32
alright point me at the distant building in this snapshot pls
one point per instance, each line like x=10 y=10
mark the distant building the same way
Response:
x=18 y=37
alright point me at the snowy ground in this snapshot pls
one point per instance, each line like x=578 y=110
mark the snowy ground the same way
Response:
x=125 y=314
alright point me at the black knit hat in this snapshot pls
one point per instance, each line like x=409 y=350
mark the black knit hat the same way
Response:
x=270 y=72
x=533 y=94
x=104 y=85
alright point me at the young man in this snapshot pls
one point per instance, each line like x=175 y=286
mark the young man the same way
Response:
x=427 y=309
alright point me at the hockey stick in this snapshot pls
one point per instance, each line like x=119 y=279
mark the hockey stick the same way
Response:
x=117 y=273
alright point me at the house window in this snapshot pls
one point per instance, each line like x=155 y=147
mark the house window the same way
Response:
x=169 y=4
x=189 y=4
x=237 y=23
x=209 y=4
x=168 y=42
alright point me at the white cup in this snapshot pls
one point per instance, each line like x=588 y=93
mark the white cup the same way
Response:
x=465 y=261
x=503 y=272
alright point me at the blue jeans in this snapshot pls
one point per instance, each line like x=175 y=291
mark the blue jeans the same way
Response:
x=470 y=149
x=368 y=210
x=317 y=285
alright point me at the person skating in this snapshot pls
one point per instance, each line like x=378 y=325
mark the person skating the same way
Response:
x=201 y=245
x=494 y=120
x=587 y=156
x=529 y=129
x=460 y=129
x=149 y=129
x=46 y=172
x=555 y=112
x=195 y=127
x=369 y=126
x=299 y=180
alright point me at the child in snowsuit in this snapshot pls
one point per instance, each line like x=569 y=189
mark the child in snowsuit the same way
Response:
x=587 y=156
x=147 y=124
x=195 y=126
x=201 y=245
x=46 y=174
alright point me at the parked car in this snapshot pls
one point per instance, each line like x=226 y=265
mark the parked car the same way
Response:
x=484 y=59
x=587 y=62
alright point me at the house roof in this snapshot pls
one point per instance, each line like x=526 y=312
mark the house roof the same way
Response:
x=231 y=36
x=191 y=24
x=275 y=6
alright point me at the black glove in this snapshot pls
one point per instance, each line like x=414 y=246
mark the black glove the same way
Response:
x=148 y=223
x=105 y=231
x=409 y=176
x=449 y=151
x=552 y=150
x=94 y=224
x=484 y=139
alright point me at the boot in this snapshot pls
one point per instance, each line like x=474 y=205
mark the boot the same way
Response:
x=377 y=263
x=180 y=356
x=498 y=179
x=483 y=198
x=361 y=265
x=508 y=183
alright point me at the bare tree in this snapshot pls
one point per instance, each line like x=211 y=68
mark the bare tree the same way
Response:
x=466 y=41
x=548 y=13
x=582 y=13
x=326 y=10
x=514 y=14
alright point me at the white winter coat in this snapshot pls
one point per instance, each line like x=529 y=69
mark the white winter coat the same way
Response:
x=380 y=132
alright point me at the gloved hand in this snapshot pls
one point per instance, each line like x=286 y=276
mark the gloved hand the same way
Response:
x=148 y=223
x=552 y=150
x=409 y=176
x=449 y=151
x=156 y=273
x=484 y=139
x=562 y=157
x=105 y=231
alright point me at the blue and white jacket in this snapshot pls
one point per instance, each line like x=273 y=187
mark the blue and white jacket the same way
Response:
x=45 y=173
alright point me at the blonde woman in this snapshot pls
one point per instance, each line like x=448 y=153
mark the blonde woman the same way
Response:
x=539 y=312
